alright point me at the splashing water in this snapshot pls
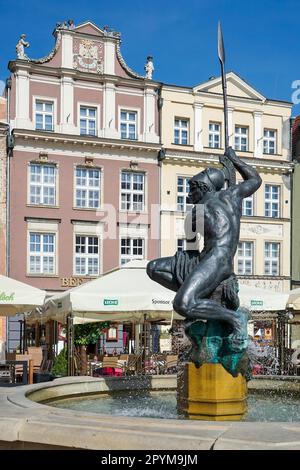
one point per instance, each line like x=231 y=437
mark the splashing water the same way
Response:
x=264 y=359
x=163 y=405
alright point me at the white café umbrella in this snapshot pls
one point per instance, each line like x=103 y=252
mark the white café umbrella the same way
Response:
x=126 y=294
x=294 y=299
x=256 y=299
x=17 y=297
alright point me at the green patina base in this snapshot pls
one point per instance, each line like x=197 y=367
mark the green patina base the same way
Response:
x=214 y=343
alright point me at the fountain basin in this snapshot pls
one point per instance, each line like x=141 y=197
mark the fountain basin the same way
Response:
x=32 y=424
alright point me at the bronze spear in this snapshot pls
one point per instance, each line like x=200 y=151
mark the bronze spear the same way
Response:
x=229 y=168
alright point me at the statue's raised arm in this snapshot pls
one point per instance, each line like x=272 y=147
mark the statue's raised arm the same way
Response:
x=252 y=180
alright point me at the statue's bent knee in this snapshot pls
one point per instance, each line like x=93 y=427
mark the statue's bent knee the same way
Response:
x=180 y=306
x=151 y=268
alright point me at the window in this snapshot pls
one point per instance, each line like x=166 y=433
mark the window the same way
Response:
x=128 y=125
x=112 y=333
x=181 y=244
x=272 y=200
x=241 y=138
x=214 y=135
x=245 y=258
x=272 y=253
x=44 y=115
x=181 y=131
x=269 y=141
x=182 y=194
x=88 y=120
x=248 y=206
x=132 y=248
x=41 y=253
x=42 y=184
x=86 y=255
x=132 y=191
x=88 y=182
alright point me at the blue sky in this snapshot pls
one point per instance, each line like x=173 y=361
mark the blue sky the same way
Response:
x=261 y=37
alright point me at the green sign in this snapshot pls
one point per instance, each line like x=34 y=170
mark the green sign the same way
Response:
x=257 y=303
x=110 y=302
x=4 y=297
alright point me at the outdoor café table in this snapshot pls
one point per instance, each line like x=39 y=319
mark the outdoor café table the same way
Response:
x=10 y=365
x=94 y=365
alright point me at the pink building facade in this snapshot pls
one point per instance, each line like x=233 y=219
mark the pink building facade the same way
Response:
x=84 y=173
x=84 y=168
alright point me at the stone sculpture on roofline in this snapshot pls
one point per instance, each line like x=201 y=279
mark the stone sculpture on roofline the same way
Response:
x=149 y=67
x=20 y=47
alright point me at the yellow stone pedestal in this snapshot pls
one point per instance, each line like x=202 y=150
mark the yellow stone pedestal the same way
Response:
x=211 y=393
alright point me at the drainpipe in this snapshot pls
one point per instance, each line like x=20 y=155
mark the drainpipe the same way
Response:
x=160 y=158
x=9 y=154
x=292 y=175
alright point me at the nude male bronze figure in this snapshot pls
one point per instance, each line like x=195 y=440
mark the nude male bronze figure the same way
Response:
x=195 y=275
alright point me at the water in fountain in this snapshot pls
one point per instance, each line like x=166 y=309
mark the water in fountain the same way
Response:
x=268 y=407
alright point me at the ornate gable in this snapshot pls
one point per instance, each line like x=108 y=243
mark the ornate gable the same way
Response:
x=85 y=48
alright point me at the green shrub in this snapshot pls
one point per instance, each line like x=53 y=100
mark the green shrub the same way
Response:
x=89 y=333
x=60 y=364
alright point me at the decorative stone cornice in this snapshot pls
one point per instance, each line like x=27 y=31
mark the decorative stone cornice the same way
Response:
x=251 y=219
x=98 y=142
x=192 y=158
x=58 y=72
x=264 y=278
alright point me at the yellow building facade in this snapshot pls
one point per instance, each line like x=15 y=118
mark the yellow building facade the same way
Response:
x=259 y=130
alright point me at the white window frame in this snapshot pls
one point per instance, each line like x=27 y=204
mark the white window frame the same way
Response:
x=88 y=120
x=29 y=184
x=181 y=129
x=239 y=136
x=272 y=202
x=87 y=188
x=270 y=259
x=86 y=104
x=243 y=258
x=131 y=191
x=87 y=256
x=127 y=109
x=42 y=254
x=42 y=226
x=134 y=231
x=131 y=256
x=212 y=134
x=267 y=140
x=183 y=194
x=36 y=98
x=244 y=208
x=88 y=229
